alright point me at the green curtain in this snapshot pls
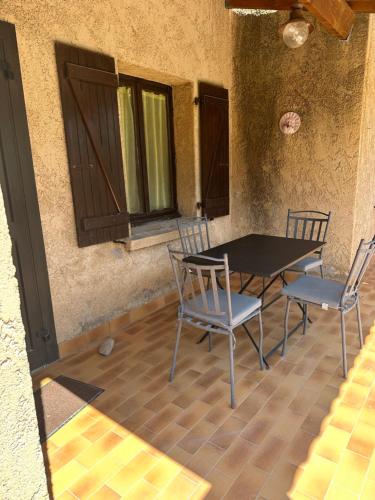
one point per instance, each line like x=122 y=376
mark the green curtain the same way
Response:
x=157 y=152
x=129 y=150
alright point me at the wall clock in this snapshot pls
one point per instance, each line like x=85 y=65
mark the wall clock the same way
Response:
x=290 y=123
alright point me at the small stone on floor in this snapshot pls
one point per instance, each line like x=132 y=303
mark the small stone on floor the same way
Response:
x=106 y=347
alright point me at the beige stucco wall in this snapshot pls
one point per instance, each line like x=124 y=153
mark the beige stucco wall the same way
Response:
x=317 y=168
x=22 y=473
x=188 y=41
x=364 y=226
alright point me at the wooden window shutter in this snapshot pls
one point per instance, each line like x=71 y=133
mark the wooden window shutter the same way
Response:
x=214 y=149
x=88 y=87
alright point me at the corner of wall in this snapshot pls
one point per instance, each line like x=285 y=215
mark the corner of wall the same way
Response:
x=22 y=470
x=364 y=212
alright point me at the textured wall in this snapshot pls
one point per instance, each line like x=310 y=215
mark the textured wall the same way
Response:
x=183 y=117
x=364 y=226
x=317 y=167
x=22 y=473
x=188 y=40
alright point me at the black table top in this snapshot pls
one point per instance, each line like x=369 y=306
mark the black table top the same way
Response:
x=263 y=255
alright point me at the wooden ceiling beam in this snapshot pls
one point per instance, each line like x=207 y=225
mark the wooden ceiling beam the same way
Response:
x=335 y=15
x=260 y=4
x=362 y=5
x=356 y=5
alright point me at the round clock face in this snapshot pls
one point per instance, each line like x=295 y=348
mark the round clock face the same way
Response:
x=290 y=123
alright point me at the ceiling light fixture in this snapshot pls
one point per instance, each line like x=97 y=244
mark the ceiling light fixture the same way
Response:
x=296 y=31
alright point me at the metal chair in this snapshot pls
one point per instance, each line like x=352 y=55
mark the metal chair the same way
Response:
x=331 y=294
x=308 y=225
x=213 y=310
x=194 y=234
x=195 y=238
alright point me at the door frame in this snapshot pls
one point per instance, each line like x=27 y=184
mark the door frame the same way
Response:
x=11 y=70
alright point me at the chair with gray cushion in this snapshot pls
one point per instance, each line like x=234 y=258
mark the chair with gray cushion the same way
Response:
x=329 y=294
x=215 y=310
x=308 y=225
x=195 y=238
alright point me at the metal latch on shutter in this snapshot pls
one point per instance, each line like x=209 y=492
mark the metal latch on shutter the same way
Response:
x=44 y=334
x=6 y=69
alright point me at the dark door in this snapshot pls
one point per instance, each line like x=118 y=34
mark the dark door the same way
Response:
x=21 y=205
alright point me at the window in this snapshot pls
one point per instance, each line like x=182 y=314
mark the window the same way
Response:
x=148 y=149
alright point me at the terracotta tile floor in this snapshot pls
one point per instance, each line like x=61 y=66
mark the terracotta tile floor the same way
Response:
x=341 y=462
x=146 y=438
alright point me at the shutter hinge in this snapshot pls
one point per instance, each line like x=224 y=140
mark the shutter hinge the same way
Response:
x=197 y=100
x=199 y=204
x=44 y=334
x=6 y=69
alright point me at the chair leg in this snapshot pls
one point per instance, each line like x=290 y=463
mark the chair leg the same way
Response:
x=208 y=282
x=343 y=343
x=260 y=340
x=286 y=326
x=305 y=316
x=321 y=272
x=209 y=342
x=178 y=334
x=359 y=324
x=231 y=371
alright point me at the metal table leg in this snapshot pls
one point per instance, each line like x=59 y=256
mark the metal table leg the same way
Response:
x=247 y=283
x=204 y=336
x=254 y=344
x=279 y=344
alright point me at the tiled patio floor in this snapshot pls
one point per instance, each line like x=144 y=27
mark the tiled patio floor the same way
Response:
x=146 y=438
x=341 y=462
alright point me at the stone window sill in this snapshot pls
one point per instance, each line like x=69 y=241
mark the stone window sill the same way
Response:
x=150 y=234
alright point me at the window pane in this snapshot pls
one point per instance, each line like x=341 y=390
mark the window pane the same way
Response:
x=157 y=149
x=129 y=150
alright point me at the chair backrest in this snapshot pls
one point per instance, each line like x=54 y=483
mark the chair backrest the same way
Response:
x=194 y=234
x=190 y=273
x=308 y=225
x=360 y=264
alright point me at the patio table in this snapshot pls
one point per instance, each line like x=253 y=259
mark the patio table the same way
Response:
x=263 y=256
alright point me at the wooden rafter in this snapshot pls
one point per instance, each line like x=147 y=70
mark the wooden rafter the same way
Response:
x=260 y=4
x=337 y=16
x=362 y=5
x=356 y=5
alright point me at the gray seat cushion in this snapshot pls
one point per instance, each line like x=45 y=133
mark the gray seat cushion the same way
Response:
x=316 y=290
x=242 y=307
x=306 y=264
